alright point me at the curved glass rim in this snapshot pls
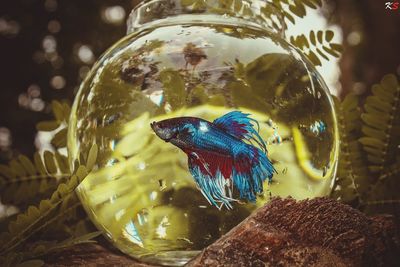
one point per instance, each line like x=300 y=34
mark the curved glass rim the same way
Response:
x=256 y=13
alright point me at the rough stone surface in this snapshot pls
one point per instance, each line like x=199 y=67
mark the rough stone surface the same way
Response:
x=317 y=232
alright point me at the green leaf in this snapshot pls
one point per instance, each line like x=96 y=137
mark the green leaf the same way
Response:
x=82 y=172
x=312 y=38
x=60 y=139
x=47 y=126
x=17 y=168
x=389 y=82
x=44 y=205
x=329 y=35
x=39 y=164
x=314 y=59
x=28 y=165
x=330 y=51
x=62 y=163
x=6 y=172
x=174 y=88
x=372 y=142
x=336 y=47
x=320 y=36
x=92 y=157
x=49 y=162
x=58 y=111
x=310 y=4
x=322 y=54
x=67 y=111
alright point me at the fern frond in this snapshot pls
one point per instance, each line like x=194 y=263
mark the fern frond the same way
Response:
x=352 y=179
x=391 y=172
x=295 y=8
x=55 y=209
x=42 y=248
x=381 y=124
x=383 y=196
x=61 y=113
x=25 y=182
x=317 y=44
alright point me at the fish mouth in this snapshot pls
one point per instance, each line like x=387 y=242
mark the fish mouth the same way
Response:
x=160 y=132
x=156 y=128
x=153 y=125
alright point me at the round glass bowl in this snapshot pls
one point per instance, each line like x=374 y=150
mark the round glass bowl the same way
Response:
x=184 y=60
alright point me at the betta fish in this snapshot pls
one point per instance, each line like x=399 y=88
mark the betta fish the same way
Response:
x=221 y=154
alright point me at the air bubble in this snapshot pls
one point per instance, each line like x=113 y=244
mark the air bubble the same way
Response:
x=142 y=216
x=162 y=184
x=318 y=127
x=275 y=138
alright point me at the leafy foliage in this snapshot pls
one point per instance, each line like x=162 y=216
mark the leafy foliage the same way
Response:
x=296 y=8
x=59 y=208
x=25 y=182
x=48 y=178
x=351 y=162
x=369 y=167
x=59 y=125
x=381 y=126
x=317 y=45
x=275 y=15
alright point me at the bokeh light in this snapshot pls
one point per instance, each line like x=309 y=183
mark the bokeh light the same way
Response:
x=58 y=82
x=9 y=28
x=5 y=138
x=51 y=5
x=31 y=99
x=354 y=38
x=85 y=54
x=54 y=26
x=49 y=44
x=114 y=15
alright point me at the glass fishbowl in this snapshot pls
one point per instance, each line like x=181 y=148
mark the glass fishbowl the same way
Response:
x=199 y=59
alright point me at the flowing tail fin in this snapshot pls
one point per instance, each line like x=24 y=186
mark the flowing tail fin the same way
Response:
x=215 y=175
x=250 y=169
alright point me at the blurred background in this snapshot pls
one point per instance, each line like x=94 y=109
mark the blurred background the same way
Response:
x=48 y=46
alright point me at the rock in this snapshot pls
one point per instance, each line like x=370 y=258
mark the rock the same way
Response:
x=317 y=232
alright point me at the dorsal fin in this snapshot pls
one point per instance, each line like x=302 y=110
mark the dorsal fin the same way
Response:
x=239 y=125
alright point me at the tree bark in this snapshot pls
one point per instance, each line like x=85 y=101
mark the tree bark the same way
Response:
x=317 y=232
x=285 y=232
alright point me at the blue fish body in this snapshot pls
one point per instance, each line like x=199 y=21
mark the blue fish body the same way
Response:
x=219 y=159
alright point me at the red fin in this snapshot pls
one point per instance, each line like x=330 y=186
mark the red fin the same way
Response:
x=210 y=162
x=244 y=163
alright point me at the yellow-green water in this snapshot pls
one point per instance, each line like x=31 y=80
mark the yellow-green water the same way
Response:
x=143 y=196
